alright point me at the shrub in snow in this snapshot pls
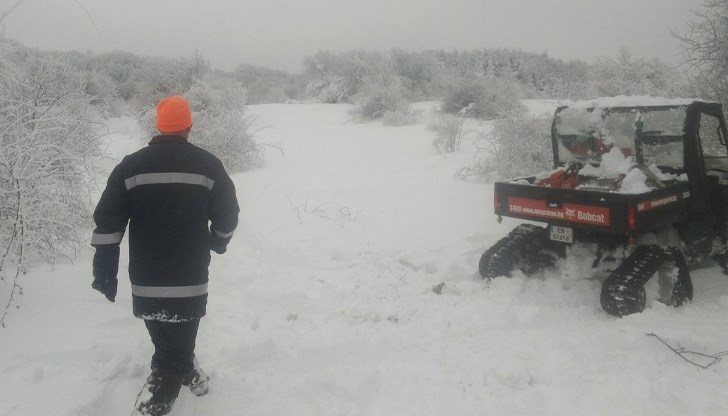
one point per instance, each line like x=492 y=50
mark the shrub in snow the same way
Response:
x=220 y=125
x=335 y=77
x=48 y=142
x=449 y=132
x=483 y=98
x=518 y=145
x=218 y=107
x=329 y=89
x=381 y=93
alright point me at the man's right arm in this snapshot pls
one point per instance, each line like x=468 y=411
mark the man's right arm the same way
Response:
x=111 y=216
x=224 y=211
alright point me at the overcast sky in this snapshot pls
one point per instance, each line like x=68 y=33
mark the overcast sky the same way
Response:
x=280 y=33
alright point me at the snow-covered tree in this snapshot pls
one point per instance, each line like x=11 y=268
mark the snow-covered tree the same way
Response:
x=48 y=143
x=706 y=49
x=629 y=75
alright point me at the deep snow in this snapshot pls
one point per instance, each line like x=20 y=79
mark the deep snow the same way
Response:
x=351 y=288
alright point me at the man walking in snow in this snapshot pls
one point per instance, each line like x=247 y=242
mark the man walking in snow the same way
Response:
x=168 y=192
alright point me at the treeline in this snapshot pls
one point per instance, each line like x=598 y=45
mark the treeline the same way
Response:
x=335 y=77
x=123 y=82
x=486 y=82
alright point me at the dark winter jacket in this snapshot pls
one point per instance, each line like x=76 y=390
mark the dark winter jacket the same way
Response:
x=167 y=192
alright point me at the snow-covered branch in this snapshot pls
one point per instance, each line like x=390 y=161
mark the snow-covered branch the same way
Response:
x=693 y=357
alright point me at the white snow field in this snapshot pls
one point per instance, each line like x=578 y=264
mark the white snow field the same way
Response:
x=351 y=288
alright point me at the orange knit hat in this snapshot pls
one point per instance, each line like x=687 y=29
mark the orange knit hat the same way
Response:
x=173 y=114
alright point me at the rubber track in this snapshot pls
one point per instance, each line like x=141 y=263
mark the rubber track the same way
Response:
x=501 y=258
x=623 y=292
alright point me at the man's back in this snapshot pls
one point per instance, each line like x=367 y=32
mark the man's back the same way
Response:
x=168 y=192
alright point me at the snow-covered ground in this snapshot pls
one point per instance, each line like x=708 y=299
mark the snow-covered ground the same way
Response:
x=351 y=288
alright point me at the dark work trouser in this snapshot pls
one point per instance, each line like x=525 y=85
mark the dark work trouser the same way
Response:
x=174 y=344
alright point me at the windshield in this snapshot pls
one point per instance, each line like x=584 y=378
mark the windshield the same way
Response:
x=585 y=134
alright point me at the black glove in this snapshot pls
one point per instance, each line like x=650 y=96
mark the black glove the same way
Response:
x=217 y=243
x=106 y=286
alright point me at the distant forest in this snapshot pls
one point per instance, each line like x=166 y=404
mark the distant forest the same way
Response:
x=336 y=77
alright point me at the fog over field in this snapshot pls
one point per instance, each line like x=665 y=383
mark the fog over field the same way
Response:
x=279 y=34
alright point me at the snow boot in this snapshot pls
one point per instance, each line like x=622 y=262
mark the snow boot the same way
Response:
x=159 y=393
x=197 y=380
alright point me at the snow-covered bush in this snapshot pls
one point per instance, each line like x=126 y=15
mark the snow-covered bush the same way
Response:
x=335 y=77
x=484 y=98
x=218 y=110
x=330 y=89
x=381 y=93
x=48 y=143
x=518 y=145
x=220 y=125
x=449 y=132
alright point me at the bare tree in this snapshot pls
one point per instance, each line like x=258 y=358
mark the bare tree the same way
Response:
x=706 y=49
x=4 y=13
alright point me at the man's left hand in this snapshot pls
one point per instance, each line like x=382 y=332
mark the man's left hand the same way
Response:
x=106 y=286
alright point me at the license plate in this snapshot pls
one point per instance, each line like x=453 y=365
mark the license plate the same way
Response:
x=562 y=234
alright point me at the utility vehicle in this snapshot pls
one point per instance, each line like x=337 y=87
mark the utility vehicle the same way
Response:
x=641 y=181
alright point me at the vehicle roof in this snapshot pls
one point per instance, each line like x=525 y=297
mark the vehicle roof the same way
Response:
x=635 y=101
